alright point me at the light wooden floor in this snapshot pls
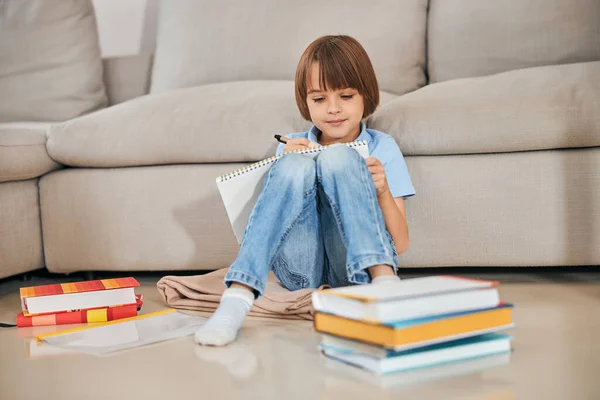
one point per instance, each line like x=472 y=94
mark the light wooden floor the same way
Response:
x=556 y=356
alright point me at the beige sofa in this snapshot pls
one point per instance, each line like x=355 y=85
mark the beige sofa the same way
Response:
x=496 y=106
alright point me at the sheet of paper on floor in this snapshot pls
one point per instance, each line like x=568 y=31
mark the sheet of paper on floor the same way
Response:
x=109 y=338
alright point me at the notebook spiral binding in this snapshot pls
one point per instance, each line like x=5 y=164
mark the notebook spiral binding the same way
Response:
x=271 y=160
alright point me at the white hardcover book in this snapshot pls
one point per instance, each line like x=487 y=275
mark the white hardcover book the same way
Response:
x=240 y=189
x=407 y=299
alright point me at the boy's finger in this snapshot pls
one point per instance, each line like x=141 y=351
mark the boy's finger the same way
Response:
x=299 y=141
x=376 y=169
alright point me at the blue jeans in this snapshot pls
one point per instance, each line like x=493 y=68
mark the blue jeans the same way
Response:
x=316 y=221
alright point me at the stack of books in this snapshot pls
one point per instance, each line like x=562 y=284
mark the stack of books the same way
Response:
x=79 y=302
x=413 y=323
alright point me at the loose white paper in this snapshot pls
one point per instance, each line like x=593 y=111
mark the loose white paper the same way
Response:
x=110 y=338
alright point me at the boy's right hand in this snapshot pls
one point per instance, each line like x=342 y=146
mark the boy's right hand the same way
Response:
x=299 y=144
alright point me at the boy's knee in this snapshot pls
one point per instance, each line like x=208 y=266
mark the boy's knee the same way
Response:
x=295 y=166
x=337 y=158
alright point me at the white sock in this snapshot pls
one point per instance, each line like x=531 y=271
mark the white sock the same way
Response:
x=222 y=327
x=385 y=279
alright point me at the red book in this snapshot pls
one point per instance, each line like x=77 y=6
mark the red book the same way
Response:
x=58 y=298
x=103 y=314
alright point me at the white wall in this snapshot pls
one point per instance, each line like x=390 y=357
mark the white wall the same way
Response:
x=126 y=27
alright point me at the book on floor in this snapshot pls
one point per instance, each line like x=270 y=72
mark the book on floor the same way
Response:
x=354 y=345
x=101 y=314
x=405 y=334
x=407 y=298
x=413 y=323
x=77 y=295
x=349 y=377
x=428 y=356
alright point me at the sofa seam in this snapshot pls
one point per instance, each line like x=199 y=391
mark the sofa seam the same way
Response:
x=24 y=145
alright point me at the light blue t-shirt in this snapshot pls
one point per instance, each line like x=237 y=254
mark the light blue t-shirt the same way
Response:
x=382 y=147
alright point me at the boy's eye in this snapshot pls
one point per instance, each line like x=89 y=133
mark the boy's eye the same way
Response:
x=347 y=96
x=318 y=99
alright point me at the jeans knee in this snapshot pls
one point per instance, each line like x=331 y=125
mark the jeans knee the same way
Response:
x=337 y=159
x=295 y=167
x=290 y=279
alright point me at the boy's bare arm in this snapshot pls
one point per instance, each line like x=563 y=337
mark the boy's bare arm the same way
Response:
x=394 y=215
x=393 y=209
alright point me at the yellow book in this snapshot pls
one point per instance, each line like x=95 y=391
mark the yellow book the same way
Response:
x=418 y=332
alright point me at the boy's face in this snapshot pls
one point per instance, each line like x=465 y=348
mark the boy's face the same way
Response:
x=337 y=113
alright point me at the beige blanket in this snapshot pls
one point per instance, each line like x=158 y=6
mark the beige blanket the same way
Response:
x=203 y=293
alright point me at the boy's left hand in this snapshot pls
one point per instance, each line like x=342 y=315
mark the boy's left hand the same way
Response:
x=378 y=174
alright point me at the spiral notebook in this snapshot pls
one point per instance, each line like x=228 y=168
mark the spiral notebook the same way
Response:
x=240 y=189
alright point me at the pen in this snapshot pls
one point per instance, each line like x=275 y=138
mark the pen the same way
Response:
x=281 y=139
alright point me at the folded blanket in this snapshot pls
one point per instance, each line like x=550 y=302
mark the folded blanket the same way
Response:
x=203 y=293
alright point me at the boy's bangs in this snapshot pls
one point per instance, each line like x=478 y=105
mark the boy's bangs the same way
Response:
x=332 y=74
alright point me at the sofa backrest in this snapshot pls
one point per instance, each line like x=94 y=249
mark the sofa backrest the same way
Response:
x=206 y=41
x=468 y=38
x=126 y=77
x=50 y=63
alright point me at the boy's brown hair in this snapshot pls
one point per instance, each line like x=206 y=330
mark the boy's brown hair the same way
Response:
x=343 y=63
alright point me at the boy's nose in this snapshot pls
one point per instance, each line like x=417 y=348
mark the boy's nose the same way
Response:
x=333 y=108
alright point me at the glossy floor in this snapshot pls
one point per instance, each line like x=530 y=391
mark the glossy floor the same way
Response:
x=556 y=356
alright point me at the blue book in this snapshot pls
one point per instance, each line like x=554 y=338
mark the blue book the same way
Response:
x=389 y=361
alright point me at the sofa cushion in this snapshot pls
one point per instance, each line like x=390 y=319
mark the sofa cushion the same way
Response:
x=20 y=228
x=128 y=219
x=530 y=109
x=23 y=152
x=50 y=67
x=227 y=122
x=468 y=38
x=205 y=41
x=537 y=208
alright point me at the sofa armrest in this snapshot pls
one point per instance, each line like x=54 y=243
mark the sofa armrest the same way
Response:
x=127 y=77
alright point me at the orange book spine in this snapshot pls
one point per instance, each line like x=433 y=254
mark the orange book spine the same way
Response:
x=80 y=317
x=78 y=287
